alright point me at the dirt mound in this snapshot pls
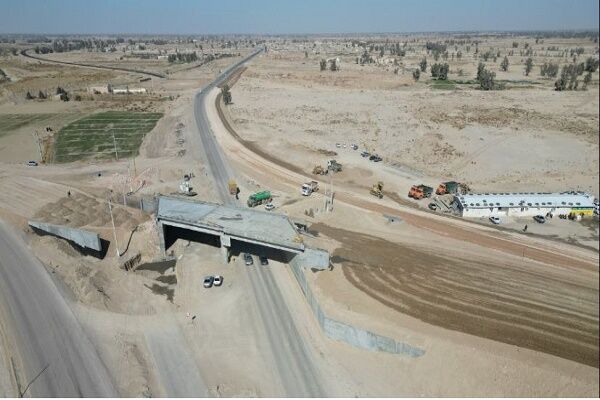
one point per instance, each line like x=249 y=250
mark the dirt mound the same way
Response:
x=525 y=307
x=80 y=210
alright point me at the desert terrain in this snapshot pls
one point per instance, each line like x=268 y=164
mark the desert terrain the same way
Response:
x=497 y=312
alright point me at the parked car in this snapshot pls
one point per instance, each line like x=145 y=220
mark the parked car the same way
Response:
x=218 y=281
x=338 y=145
x=375 y=158
x=432 y=206
x=269 y=206
x=208 y=281
x=495 y=220
x=263 y=260
x=365 y=154
x=540 y=219
x=248 y=259
x=32 y=163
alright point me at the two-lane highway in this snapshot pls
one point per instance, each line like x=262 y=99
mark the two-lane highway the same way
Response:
x=290 y=354
x=50 y=341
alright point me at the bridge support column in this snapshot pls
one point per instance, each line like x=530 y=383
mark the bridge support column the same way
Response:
x=225 y=248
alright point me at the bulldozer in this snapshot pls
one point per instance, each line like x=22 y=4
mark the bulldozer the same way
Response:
x=319 y=170
x=418 y=192
x=377 y=190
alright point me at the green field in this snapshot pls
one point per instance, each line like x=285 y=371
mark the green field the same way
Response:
x=92 y=136
x=12 y=122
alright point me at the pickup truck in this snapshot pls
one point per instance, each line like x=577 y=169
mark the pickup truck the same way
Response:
x=309 y=187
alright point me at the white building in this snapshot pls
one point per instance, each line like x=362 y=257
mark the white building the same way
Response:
x=129 y=90
x=523 y=204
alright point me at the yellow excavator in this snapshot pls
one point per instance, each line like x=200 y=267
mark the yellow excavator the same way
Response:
x=377 y=190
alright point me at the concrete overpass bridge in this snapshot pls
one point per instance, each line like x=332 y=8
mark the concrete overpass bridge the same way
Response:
x=235 y=230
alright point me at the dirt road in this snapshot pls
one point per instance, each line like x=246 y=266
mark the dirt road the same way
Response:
x=541 y=308
x=275 y=168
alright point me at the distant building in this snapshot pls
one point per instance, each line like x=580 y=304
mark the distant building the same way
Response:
x=523 y=204
x=139 y=90
x=104 y=89
x=129 y=90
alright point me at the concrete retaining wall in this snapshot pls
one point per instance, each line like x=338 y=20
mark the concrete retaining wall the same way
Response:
x=80 y=237
x=341 y=331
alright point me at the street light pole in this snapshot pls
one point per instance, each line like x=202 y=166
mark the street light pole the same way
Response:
x=113 y=227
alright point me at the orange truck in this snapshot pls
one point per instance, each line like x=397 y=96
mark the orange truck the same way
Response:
x=418 y=192
x=448 y=188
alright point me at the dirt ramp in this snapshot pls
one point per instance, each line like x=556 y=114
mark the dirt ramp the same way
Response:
x=80 y=210
x=543 y=310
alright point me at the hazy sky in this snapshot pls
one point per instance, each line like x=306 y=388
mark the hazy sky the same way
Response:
x=297 y=16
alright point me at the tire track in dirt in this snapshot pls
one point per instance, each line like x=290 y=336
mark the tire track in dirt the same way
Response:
x=499 y=301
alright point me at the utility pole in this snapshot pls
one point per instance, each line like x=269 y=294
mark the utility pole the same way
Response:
x=114 y=143
x=113 y=226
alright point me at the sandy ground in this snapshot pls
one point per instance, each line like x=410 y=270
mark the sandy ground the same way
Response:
x=295 y=113
x=283 y=102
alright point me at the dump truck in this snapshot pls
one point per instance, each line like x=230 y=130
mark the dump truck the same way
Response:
x=447 y=188
x=418 y=192
x=309 y=187
x=377 y=190
x=318 y=170
x=334 y=166
x=233 y=187
x=259 y=198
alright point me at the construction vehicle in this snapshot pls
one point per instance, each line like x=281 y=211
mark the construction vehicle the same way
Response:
x=233 y=187
x=318 y=170
x=186 y=189
x=334 y=166
x=309 y=187
x=447 y=188
x=418 y=192
x=377 y=190
x=259 y=198
x=452 y=188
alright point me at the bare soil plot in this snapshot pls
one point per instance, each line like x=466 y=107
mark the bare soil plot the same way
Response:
x=97 y=135
x=544 y=310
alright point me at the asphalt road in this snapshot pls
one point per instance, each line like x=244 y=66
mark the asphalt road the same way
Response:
x=293 y=364
x=49 y=338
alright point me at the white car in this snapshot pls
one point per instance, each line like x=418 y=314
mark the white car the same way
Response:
x=218 y=281
x=32 y=163
x=269 y=206
x=495 y=220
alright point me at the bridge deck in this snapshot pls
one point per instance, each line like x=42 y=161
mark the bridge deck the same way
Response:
x=256 y=225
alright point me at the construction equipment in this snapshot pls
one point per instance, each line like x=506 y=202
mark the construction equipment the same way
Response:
x=259 y=198
x=447 y=188
x=233 y=187
x=377 y=190
x=334 y=166
x=318 y=170
x=418 y=192
x=452 y=188
x=309 y=187
x=186 y=189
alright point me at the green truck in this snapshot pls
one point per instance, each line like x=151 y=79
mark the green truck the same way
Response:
x=259 y=198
